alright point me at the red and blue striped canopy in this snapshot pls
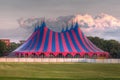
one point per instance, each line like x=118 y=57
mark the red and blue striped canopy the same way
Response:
x=72 y=41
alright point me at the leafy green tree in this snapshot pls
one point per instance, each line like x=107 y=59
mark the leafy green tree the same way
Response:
x=13 y=46
x=111 y=46
x=3 y=48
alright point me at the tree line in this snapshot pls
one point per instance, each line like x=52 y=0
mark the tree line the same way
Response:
x=111 y=46
x=6 y=50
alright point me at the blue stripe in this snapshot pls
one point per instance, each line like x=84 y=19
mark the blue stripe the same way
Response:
x=60 y=43
x=46 y=41
x=67 y=42
x=53 y=42
x=34 y=41
x=40 y=40
x=74 y=42
x=27 y=45
x=92 y=48
x=80 y=40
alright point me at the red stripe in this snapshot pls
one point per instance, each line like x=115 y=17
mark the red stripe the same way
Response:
x=50 y=42
x=94 y=46
x=43 y=40
x=80 y=33
x=31 y=36
x=70 y=41
x=30 y=46
x=77 y=41
x=89 y=44
x=64 y=43
x=27 y=48
x=38 y=37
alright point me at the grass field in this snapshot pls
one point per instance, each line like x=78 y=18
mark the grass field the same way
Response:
x=59 y=71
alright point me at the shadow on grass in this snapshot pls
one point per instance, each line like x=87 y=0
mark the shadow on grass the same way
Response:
x=20 y=78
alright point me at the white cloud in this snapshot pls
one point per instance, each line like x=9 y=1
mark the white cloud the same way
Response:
x=102 y=25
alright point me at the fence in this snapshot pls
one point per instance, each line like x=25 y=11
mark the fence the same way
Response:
x=59 y=60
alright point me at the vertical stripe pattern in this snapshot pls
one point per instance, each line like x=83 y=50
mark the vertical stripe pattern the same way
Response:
x=44 y=40
x=50 y=42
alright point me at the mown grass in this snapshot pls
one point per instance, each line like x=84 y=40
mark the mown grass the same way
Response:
x=59 y=71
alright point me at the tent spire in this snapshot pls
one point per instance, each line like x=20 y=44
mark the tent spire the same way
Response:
x=72 y=25
x=66 y=27
x=76 y=25
x=62 y=29
x=43 y=24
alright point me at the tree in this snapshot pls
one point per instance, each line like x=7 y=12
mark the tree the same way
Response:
x=111 y=46
x=13 y=46
x=2 y=48
x=5 y=50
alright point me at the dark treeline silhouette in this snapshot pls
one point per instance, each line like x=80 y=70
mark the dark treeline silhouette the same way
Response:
x=111 y=46
x=5 y=50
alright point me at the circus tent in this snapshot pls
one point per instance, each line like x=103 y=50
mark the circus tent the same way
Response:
x=71 y=42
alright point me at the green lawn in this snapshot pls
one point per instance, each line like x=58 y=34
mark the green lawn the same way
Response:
x=59 y=71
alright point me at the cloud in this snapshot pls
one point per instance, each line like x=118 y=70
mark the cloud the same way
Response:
x=54 y=23
x=102 y=25
x=16 y=34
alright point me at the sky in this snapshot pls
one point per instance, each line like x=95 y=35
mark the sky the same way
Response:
x=12 y=10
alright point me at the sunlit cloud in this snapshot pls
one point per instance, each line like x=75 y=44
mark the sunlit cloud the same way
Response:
x=102 y=25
